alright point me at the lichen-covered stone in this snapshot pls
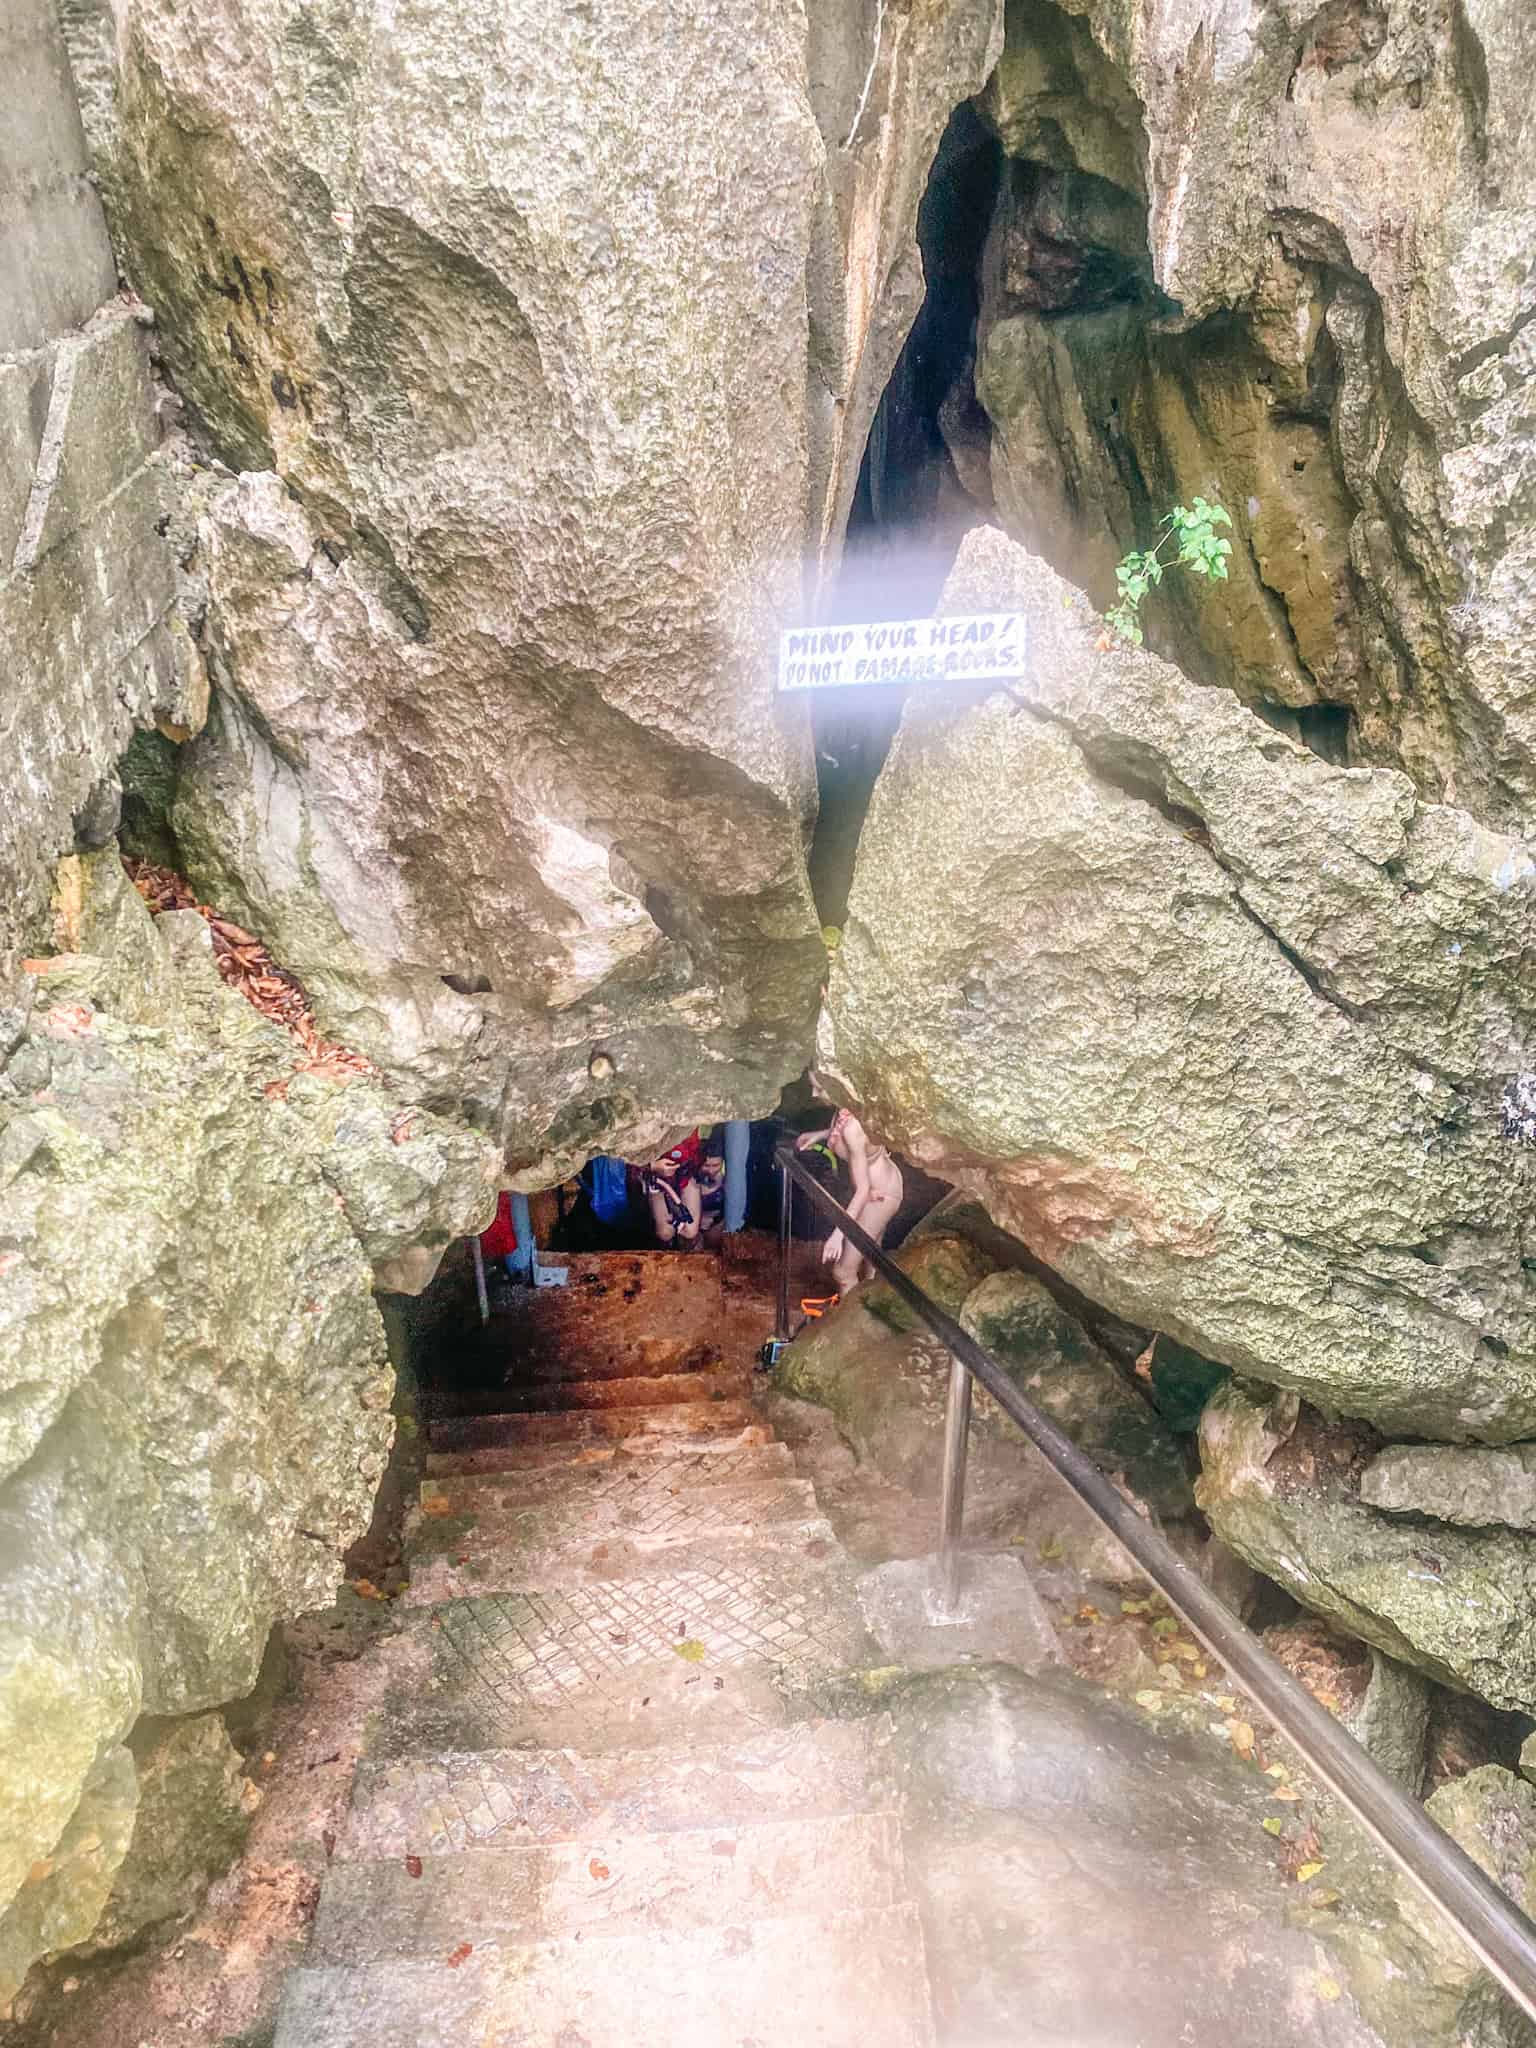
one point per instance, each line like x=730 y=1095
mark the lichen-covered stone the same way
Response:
x=194 y=1387
x=946 y=1267
x=1473 y=1488
x=63 y=1893
x=886 y=1382
x=1413 y=1977
x=1282 y=1491
x=1057 y=1366
x=1218 y=1029
x=192 y=1814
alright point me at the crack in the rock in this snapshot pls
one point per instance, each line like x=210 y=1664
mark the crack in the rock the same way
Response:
x=1116 y=775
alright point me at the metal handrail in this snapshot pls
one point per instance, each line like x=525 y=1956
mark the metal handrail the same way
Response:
x=1487 y=1920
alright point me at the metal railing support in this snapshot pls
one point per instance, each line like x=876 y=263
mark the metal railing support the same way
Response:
x=481 y=1294
x=1488 y=1921
x=782 y=1330
x=957 y=1443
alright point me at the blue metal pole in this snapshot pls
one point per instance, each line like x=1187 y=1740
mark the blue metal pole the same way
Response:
x=738 y=1139
x=521 y=1261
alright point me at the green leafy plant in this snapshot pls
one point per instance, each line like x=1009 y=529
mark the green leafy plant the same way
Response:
x=1191 y=532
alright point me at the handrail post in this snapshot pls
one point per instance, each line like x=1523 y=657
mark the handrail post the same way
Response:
x=481 y=1295
x=957 y=1438
x=1495 y=1929
x=781 y=1328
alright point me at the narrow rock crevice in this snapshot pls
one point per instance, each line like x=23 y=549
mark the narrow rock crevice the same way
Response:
x=922 y=485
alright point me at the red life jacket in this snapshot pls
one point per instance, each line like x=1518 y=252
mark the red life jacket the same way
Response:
x=500 y=1241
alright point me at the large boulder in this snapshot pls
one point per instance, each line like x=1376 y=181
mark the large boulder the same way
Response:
x=1283 y=261
x=1282 y=1488
x=535 y=344
x=1219 y=1029
x=194 y=1386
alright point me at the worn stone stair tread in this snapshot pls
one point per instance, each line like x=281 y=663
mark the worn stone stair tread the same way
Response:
x=545 y=1546
x=673 y=1418
x=564 y=1454
x=471 y=1800
x=847 y=1980
x=690 y=1641
x=478 y=1378
x=645 y=1390
x=626 y=1507
x=606 y=1884
x=609 y=1473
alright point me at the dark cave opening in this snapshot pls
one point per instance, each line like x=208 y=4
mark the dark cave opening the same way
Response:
x=922 y=485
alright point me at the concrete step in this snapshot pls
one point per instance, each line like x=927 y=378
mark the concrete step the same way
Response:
x=849 y=1980
x=594 y=1477
x=648 y=1390
x=686 y=1647
x=563 y=1542
x=498 y=1799
x=563 y=1455
x=606 y=1884
x=674 y=1419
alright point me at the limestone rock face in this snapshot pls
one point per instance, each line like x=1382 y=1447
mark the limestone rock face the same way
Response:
x=1410 y=1973
x=1285 y=262
x=1472 y=1488
x=1283 y=1490
x=1058 y=1367
x=1219 y=1029
x=883 y=80
x=192 y=1814
x=195 y=1388
x=505 y=318
x=90 y=641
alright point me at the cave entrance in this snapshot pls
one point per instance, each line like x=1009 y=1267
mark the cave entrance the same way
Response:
x=923 y=484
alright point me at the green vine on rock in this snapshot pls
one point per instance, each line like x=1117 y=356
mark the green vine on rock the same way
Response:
x=1193 y=532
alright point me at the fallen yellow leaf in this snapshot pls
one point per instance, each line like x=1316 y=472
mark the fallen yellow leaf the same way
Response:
x=1307 y=1872
x=1242 y=1737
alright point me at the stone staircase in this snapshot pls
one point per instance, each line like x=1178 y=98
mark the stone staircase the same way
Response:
x=602 y=1806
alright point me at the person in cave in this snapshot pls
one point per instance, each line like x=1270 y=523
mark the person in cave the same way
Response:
x=671 y=1186
x=712 y=1187
x=877 y=1192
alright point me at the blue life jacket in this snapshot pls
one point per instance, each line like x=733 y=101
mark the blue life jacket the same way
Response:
x=608 y=1184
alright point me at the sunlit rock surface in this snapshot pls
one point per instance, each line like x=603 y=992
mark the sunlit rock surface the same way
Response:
x=1218 y=1029
x=511 y=321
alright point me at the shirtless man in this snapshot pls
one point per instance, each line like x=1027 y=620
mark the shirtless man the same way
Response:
x=877 y=1192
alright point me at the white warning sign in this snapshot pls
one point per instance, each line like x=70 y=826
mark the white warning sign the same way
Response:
x=978 y=647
